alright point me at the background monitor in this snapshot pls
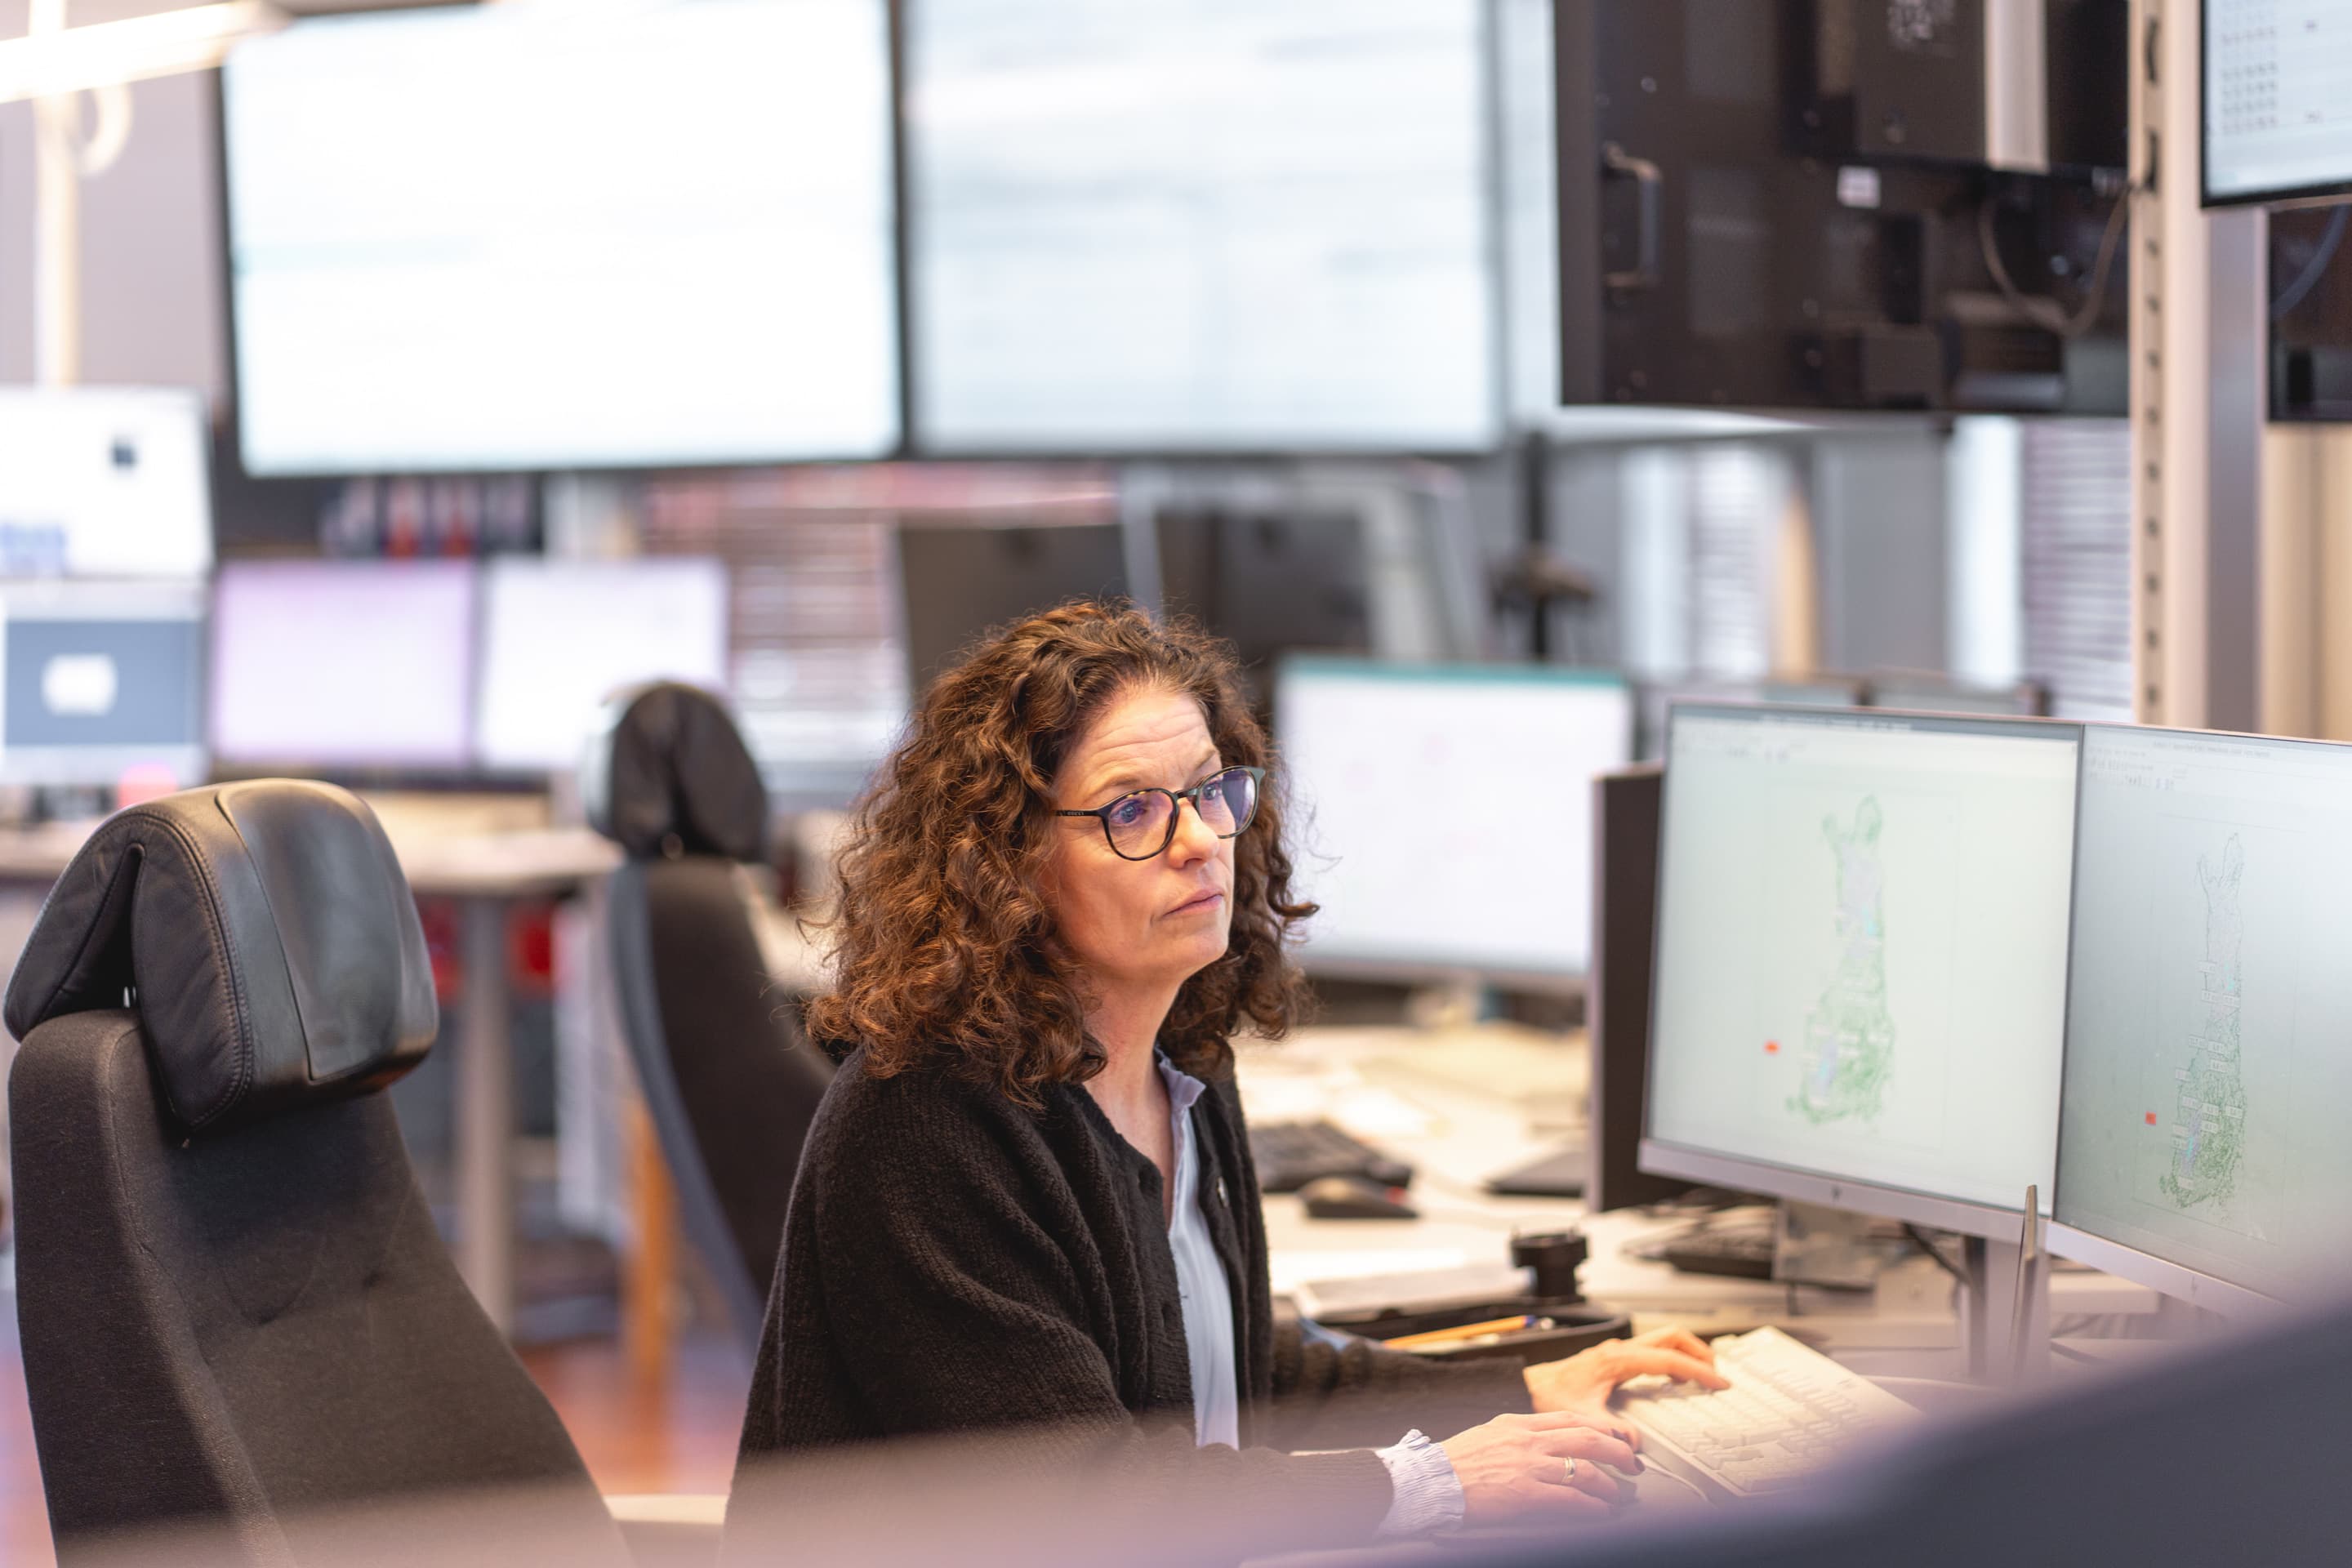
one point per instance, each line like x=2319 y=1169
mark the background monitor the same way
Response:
x=2200 y=1143
x=1271 y=582
x=343 y=665
x=1923 y=691
x=1861 y=964
x=101 y=681
x=1657 y=699
x=2278 y=100
x=1444 y=813
x=559 y=237
x=957 y=580
x=104 y=482
x=1194 y=228
x=560 y=637
x=1626 y=808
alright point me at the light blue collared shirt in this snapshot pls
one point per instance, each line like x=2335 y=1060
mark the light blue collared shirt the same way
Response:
x=1425 y=1493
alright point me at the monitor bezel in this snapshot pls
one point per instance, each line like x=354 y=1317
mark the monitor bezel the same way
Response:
x=2323 y=193
x=1663 y=1157
x=2078 y=1243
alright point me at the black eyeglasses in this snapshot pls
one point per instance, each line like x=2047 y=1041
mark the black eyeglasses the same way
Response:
x=1143 y=824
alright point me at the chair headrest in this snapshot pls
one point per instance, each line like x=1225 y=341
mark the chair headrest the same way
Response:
x=266 y=935
x=668 y=774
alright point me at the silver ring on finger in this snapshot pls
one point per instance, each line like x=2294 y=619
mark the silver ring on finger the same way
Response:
x=1571 y=1469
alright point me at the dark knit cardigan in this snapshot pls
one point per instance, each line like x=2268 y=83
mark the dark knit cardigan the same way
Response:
x=954 y=1262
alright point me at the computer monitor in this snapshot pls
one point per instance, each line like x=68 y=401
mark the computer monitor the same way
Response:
x=1861 y=964
x=104 y=481
x=1269 y=580
x=1182 y=229
x=1443 y=813
x=101 y=682
x=1626 y=808
x=343 y=666
x=1657 y=698
x=2200 y=1141
x=560 y=637
x=957 y=580
x=2277 y=78
x=562 y=237
x=1920 y=691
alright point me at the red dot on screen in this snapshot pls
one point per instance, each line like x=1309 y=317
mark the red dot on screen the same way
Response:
x=1772 y=1047
x=2151 y=1119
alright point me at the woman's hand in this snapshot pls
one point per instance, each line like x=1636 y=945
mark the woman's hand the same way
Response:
x=1584 y=1382
x=1518 y=1467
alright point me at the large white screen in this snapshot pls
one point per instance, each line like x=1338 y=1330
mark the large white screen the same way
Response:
x=1445 y=812
x=2278 y=97
x=550 y=235
x=562 y=636
x=104 y=482
x=1861 y=967
x=1197 y=225
x=2211 y=1003
x=363 y=664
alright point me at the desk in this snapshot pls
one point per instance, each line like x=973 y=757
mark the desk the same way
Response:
x=1456 y=1135
x=481 y=857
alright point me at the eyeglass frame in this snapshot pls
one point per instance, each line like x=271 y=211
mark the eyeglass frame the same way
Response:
x=1176 y=799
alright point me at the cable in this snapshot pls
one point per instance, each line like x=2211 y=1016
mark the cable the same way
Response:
x=2316 y=269
x=2045 y=313
x=1927 y=1244
x=1685 y=1482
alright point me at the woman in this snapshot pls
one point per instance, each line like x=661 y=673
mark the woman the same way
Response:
x=1027 y=1202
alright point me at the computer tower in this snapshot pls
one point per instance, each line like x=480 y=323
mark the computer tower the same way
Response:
x=1842 y=204
x=1625 y=814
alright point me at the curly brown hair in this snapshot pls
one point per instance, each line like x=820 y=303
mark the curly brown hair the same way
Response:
x=942 y=939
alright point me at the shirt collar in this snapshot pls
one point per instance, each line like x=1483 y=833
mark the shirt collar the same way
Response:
x=1183 y=1089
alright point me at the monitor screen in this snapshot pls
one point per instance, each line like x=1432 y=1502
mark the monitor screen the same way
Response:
x=560 y=637
x=343 y=664
x=2208 y=1007
x=552 y=237
x=2278 y=99
x=1861 y=966
x=1443 y=813
x=1195 y=227
x=104 y=482
x=1656 y=701
x=100 y=682
x=958 y=580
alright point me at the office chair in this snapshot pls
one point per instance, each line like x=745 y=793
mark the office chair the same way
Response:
x=730 y=1081
x=235 y=1314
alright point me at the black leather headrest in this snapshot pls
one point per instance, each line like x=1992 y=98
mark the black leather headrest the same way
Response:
x=268 y=935
x=668 y=774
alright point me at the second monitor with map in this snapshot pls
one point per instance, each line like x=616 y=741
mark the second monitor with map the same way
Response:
x=1860 y=970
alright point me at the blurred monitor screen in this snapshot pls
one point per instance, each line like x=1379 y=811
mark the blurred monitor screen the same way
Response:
x=547 y=236
x=102 y=682
x=958 y=581
x=560 y=637
x=2206 y=1072
x=1195 y=227
x=1444 y=813
x=104 y=481
x=1861 y=965
x=2278 y=99
x=340 y=665
x=1657 y=700
x=1924 y=693
x=1270 y=581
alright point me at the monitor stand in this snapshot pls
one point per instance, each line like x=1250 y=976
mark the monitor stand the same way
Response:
x=2005 y=1305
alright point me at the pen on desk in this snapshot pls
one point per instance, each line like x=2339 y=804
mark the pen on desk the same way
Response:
x=1458 y=1335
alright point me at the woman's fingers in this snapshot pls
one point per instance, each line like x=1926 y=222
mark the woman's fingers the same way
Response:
x=1631 y=1360
x=1677 y=1339
x=1593 y=1481
x=1589 y=1447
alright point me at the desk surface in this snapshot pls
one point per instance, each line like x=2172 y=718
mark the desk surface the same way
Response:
x=1457 y=1134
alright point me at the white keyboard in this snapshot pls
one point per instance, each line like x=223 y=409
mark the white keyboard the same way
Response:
x=1789 y=1411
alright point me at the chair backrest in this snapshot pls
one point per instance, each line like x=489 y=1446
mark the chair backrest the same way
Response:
x=729 y=1080
x=233 y=1306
